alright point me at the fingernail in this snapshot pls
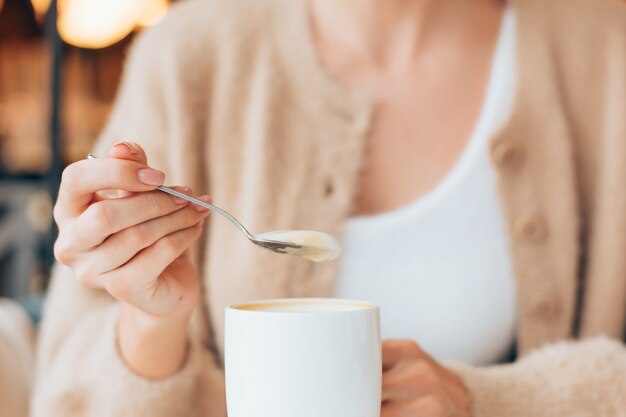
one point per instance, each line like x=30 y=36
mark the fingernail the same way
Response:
x=204 y=198
x=127 y=145
x=151 y=176
x=184 y=190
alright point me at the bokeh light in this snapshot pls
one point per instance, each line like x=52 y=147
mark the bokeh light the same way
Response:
x=96 y=23
x=100 y=23
x=41 y=8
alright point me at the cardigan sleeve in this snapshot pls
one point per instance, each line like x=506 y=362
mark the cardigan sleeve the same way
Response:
x=80 y=372
x=566 y=379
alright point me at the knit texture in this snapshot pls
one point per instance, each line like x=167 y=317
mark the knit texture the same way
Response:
x=227 y=96
x=17 y=342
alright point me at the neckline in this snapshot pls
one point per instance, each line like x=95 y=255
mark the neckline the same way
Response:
x=351 y=104
x=476 y=140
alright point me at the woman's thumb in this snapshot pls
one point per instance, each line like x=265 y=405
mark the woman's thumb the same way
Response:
x=129 y=151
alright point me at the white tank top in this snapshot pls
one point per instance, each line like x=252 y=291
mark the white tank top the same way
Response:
x=440 y=268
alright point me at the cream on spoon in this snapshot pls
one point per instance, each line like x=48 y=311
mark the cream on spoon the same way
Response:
x=316 y=246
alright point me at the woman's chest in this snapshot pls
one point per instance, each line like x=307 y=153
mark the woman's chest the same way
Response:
x=420 y=125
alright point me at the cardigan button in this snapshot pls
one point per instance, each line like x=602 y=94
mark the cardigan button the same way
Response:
x=505 y=154
x=329 y=189
x=540 y=305
x=530 y=228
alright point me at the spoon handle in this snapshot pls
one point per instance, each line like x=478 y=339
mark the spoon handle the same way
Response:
x=207 y=206
x=211 y=207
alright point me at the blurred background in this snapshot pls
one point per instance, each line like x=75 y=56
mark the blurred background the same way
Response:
x=60 y=63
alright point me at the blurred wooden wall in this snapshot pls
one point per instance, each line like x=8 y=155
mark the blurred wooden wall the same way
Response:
x=90 y=79
x=89 y=84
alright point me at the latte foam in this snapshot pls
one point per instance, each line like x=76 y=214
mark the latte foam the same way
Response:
x=304 y=306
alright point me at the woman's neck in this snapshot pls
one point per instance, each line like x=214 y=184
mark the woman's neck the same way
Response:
x=389 y=33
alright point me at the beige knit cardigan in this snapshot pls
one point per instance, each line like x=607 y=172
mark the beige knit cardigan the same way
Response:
x=227 y=96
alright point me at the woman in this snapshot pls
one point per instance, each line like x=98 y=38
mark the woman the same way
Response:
x=378 y=122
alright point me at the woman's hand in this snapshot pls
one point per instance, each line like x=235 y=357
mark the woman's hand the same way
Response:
x=415 y=385
x=135 y=247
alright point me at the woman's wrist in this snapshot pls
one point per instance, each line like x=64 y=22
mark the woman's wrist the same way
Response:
x=153 y=347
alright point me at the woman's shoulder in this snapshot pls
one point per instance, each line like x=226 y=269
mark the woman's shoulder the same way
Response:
x=193 y=19
x=584 y=44
x=574 y=19
x=194 y=31
x=592 y=29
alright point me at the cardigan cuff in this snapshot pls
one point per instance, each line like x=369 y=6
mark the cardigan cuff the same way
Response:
x=491 y=389
x=134 y=394
x=565 y=379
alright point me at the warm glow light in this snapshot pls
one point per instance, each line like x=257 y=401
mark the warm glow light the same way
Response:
x=96 y=23
x=100 y=23
x=1 y=3
x=40 y=7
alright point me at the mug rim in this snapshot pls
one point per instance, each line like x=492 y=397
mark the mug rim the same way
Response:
x=358 y=304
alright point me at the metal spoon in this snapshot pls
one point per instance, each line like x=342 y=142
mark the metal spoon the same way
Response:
x=273 y=245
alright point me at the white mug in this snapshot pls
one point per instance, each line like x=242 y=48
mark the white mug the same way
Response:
x=303 y=358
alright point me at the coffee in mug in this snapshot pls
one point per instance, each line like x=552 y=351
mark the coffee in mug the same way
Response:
x=303 y=358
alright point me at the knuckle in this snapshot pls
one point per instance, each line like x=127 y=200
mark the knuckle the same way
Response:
x=85 y=275
x=433 y=404
x=192 y=217
x=197 y=229
x=70 y=178
x=192 y=233
x=62 y=253
x=57 y=214
x=391 y=344
x=405 y=346
x=136 y=236
x=168 y=247
x=421 y=368
x=99 y=217
x=410 y=347
x=421 y=373
x=118 y=288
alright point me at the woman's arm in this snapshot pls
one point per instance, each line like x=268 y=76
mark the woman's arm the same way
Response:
x=563 y=380
x=90 y=355
x=81 y=371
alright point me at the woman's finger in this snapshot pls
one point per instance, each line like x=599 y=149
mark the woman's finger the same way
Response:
x=107 y=217
x=432 y=404
x=82 y=179
x=395 y=351
x=140 y=274
x=129 y=151
x=123 y=246
x=409 y=379
x=401 y=409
